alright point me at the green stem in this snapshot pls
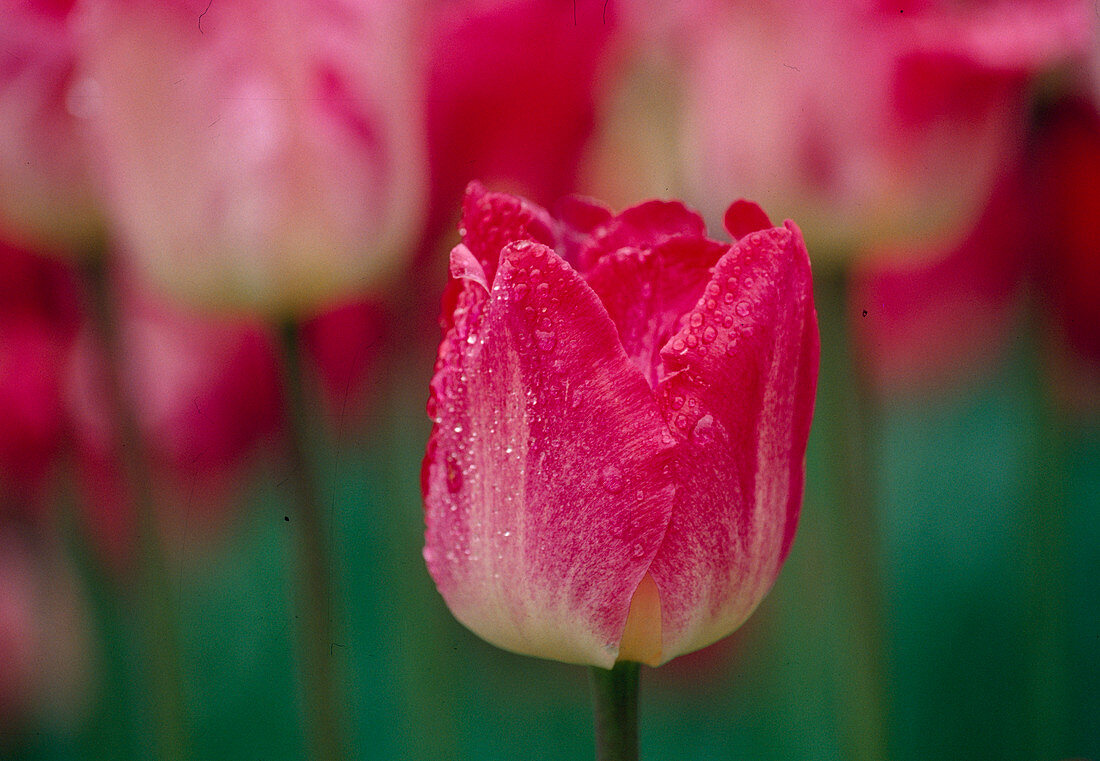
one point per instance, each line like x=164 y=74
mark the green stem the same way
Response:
x=324 y=708
x=1046 y=553
x=843 y=480
x=615 y=699
x=158 y=608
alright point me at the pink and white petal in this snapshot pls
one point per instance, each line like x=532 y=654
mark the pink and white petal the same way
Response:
x=643 y=226
x=547 y=484
x=647 y=292
x=739 y=396
x=490 y=221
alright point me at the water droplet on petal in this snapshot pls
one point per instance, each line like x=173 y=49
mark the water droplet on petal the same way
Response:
x=543 y=290
x=453 y=475
x=696 y=319
x=612 y=479
x=709 y=333
x=471 y=339
x=692 y=341
x=743 y=308
x=677 y=402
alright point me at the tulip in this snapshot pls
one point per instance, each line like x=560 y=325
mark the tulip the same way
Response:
x=898 y=117
x=621 y=407
x=38 y=319
x=258 y=156
x=209 y=399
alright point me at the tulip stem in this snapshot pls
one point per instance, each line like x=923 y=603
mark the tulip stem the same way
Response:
x=843 y=427
x=320 y=686
x=159 y=615
x=615 y=700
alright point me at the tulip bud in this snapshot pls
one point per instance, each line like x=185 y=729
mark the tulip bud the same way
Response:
x=621 y=410
x=259 y=155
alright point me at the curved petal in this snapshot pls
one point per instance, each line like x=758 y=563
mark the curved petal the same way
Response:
x=739 y=397
x=492 y=220
x=643 y=226
x=547 y=484
x=647 y=292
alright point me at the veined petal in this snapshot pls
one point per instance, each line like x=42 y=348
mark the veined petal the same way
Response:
x=547 y=481
x=739 y=396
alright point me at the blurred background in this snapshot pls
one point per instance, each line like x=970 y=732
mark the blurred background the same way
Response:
x=223 y=238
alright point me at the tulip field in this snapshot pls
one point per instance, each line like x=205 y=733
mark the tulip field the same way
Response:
x=532 y=379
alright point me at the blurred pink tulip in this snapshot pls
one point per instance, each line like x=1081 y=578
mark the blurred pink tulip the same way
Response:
x=932 y=319
x=1039 y=236
x=512 y=94
x=39 y=314
x=262 y=156
x=874 y=124
x=47 y=199
x=621 y=410
x=207 y=396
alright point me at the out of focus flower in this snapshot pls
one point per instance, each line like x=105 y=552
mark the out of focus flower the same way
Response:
x=873 y=123
x=46 y=190
x=511 y=94
x=621 y=410
x=1039 y=237
x=38 y=320
x=925 y=320
x=206 y=394
x=265 y=156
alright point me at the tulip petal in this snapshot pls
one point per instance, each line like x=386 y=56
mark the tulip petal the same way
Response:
x=547 y=481
x=744 y=217
x=643 y=226
x=492 y=220
x=739 y=396
x=647 y=292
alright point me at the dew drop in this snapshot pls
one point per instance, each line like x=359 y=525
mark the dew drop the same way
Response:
x=535 y=275
x=692 y=341
x=732 y=284
x=471 y=339
x=546 y=340
x=696 y=319
x=543 y=290
x=743 y=308
x=711 y=305
x=678 y=344
x=677 y=402
x=453 y=474
x=612 y=479
x=458 y=429
x=709 y=333
x=521 y=291
x=681 y=421
x=749 y=282
x=713 y=289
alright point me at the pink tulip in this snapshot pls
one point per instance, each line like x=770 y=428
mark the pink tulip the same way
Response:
x=872 y=123
x=206 y=395
x=38 y=319
x=621 y=411
x=1037 y=241
x=512 y=89
x=264 y=156
x=47 y=197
